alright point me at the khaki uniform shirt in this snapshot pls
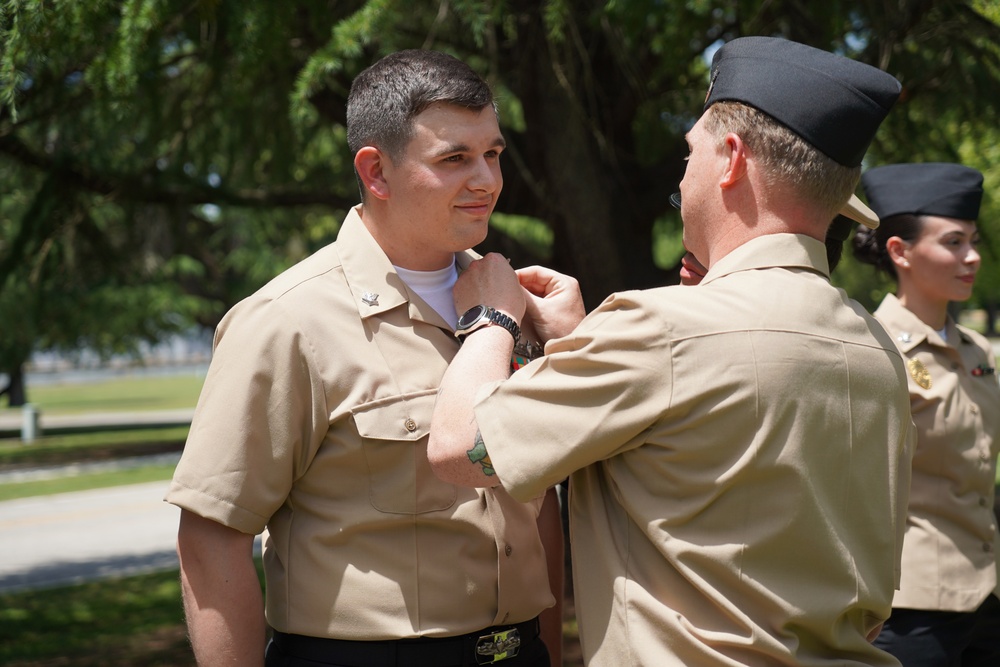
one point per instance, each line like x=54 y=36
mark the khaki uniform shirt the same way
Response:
x=742 y=455
x=313 y=422
x=951 y=542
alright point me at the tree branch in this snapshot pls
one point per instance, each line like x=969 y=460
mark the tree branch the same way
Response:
x=141 y=188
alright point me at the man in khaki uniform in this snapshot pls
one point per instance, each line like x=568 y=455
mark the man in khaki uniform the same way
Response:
x=739 y=450
x=314 y=419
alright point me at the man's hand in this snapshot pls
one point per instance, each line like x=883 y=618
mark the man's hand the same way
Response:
x=554 y=303
x=492 y=282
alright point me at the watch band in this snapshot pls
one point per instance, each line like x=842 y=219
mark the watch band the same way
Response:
x=486 y=317
x=507 y=322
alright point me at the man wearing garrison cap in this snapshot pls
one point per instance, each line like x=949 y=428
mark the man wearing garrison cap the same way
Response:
x=738 y=450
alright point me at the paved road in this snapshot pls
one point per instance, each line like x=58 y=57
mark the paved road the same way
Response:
x=73 y=537
x=69 y=538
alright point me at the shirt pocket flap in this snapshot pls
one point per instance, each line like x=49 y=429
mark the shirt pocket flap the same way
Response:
x=394 y=435
x=404 y=417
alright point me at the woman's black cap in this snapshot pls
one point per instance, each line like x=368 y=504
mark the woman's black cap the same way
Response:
x=927 y=188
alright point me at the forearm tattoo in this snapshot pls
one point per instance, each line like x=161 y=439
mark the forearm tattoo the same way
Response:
x=478 y=454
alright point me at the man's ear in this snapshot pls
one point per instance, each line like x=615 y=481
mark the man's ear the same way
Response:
x=371 y=163
x=734 y=151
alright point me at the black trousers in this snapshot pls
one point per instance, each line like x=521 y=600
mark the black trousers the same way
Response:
x=920 y=638
x=296 y=651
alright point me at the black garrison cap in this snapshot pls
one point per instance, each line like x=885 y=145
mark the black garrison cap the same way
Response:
x=930 y=188
x=834 y=103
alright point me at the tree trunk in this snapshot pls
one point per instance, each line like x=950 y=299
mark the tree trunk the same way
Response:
x=991 y=318
x=15 y=392
x=575 y=163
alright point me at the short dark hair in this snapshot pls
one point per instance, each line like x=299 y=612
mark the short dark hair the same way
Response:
x=388 y=95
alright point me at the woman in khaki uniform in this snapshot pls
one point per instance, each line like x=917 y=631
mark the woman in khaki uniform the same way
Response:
x=946 y=611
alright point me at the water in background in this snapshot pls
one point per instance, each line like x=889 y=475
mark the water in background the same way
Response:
x=178 y=355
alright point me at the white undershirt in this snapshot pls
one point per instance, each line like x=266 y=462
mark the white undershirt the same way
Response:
x=434 y=287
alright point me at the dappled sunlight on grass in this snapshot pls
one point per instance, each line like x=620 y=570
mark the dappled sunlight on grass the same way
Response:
x=111 y=623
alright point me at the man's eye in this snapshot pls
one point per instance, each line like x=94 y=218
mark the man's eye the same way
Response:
x=453 y=158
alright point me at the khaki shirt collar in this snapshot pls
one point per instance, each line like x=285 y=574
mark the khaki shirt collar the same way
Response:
x=772 y=250
x=376 y=286
x=909 y=331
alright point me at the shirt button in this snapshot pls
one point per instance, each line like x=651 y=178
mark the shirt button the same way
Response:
x=508 y=549
x=974 y=410
x=954 y=366
x=982 y=502
x=410 y=425
x=987 y=547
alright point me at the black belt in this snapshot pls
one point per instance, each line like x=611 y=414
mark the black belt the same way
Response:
x=489 y=646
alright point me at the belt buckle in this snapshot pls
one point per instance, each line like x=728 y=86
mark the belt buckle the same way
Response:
x=498 y=646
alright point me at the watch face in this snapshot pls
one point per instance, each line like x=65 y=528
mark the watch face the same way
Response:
x=470 y=317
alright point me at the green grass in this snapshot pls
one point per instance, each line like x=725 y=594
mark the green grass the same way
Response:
x=100 y=623
x=89 y=446
x=120 y=623
x=85 y=482
x=125 y=394
x=111 y=623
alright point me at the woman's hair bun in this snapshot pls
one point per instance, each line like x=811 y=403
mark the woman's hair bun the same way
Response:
x=866 y=247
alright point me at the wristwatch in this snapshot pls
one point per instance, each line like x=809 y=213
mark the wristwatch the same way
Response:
x=481 y=316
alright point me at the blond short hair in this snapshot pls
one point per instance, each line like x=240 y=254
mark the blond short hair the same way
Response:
x=787 y=159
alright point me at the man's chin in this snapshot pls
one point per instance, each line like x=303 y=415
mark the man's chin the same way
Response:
x=477 y=234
